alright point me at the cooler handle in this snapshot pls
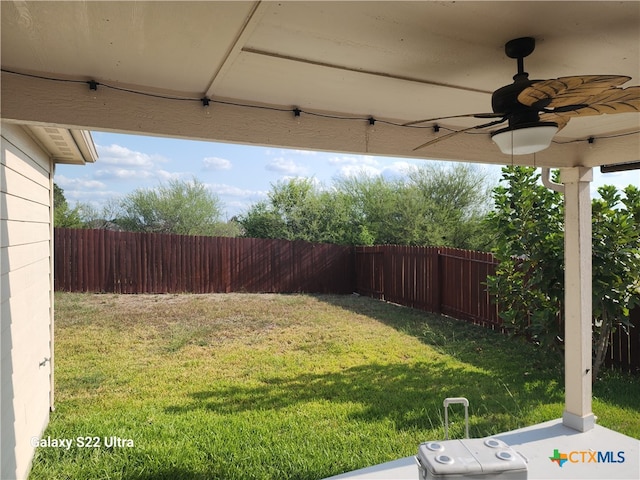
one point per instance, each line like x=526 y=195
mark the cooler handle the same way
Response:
x=452 y=400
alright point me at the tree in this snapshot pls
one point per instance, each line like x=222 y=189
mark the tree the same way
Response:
x=262 y=221
x=298 y=209
x=528 y=226
x=432 y=206
x=375 y=208
x=616 y=264
x=435 y=205
x=180 y=207
x=63 y=216
x=529 y=229
x=455 y=198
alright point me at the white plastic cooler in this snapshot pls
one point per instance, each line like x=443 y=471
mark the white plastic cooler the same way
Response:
x=475 y=458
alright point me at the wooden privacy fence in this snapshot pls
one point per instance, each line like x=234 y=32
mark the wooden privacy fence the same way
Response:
x=453 y=282
x=127 y=262
x=437 y=279
x=624 y=348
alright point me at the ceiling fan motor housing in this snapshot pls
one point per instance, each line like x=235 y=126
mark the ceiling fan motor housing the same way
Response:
x=505 y=101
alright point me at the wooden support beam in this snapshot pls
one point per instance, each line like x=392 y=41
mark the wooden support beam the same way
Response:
x=73 y=105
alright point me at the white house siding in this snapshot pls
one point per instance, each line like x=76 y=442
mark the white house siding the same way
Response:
x=26 y=278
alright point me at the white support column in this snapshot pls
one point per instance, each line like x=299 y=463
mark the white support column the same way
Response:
x=577 y=280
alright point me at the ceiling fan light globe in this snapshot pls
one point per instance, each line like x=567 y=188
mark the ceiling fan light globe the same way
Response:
x=525 y=139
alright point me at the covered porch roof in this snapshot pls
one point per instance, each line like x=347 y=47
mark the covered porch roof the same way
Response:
x=339 y=63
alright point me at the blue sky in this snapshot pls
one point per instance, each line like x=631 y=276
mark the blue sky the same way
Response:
x=239 y=175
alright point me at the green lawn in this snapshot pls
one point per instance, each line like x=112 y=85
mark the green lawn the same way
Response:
x=244 y=386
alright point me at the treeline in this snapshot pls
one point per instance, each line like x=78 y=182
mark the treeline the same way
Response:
x=432 y=205
x=179 y=207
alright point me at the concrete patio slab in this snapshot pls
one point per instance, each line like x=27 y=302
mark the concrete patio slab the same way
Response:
x=552 y=451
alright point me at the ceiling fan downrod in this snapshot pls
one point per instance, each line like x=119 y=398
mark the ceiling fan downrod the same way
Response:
x=519 y=48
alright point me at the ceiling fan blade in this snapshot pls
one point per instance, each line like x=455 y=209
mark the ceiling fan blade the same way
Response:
x=473 y=115
x=618 y=99
x=609 y=102
x=565 y=91
x=456 y=132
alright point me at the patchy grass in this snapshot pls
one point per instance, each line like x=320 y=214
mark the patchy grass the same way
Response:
x=243 y=386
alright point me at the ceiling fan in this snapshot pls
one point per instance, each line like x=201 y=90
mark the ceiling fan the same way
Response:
x=537 y=109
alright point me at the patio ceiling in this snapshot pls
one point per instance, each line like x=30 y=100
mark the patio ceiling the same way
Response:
x=393 y=61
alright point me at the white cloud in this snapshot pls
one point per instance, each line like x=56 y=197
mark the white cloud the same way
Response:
x=92 y=197
x=165 y=176
x=285 y=166
x=398 y=169
x=119 y=155
x=120 y=163
x=236 y=200
x=618 y=179
x=216 y=163
x=124 y=174
x=353 y=160
x=78 y=183
x=305 y=152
